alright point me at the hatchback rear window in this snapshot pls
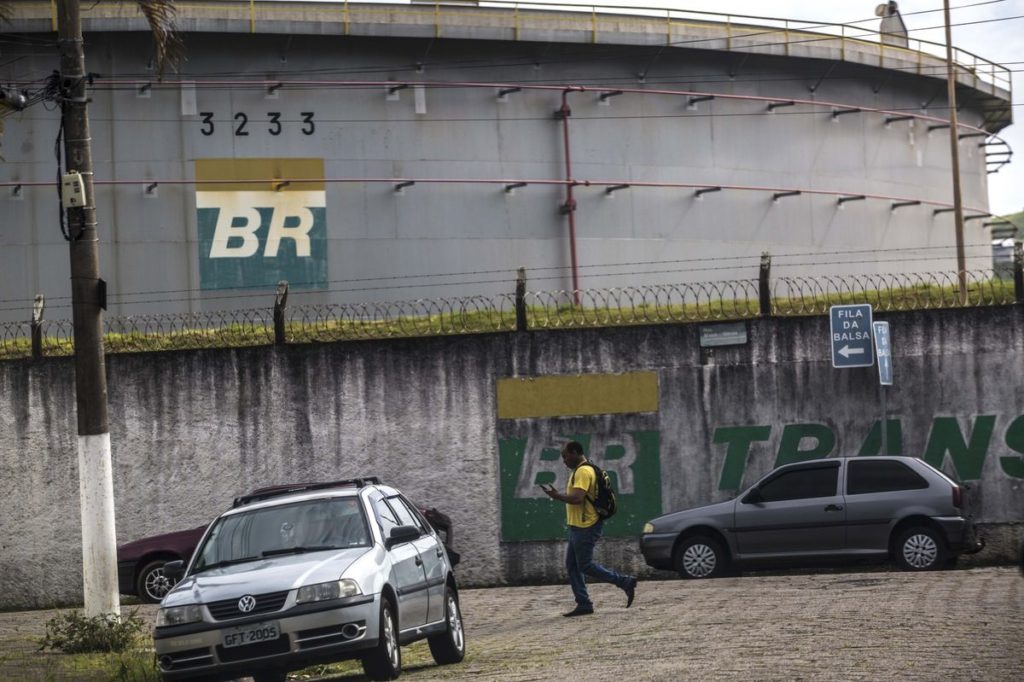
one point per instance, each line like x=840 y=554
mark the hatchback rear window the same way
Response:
x=881 y=476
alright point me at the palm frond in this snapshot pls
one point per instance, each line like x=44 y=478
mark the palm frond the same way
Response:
x=169 y=47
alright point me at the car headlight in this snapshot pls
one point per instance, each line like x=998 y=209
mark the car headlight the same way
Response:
x=179 y=615
x=336 y=589
x=648 y=527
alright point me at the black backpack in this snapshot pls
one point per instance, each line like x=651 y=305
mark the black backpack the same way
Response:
x=605 y=503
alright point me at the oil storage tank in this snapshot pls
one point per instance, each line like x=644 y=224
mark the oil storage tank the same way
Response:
x=367 y=151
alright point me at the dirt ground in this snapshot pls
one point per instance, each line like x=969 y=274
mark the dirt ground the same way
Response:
x=872 y=625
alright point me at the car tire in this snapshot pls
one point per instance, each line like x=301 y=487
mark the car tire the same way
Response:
x=699 y=557
x=920 y=548
x=151 y=585
x=449 y=646
x=384 y=662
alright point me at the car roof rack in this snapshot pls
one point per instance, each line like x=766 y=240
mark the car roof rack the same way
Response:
x=273 y=491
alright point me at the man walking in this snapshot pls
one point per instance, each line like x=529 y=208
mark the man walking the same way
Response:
x=585 y=527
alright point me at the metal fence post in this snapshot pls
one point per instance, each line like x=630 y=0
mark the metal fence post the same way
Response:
x=37 y=326
x=521 y=300
x=1018 y=272
x=764 y=291
x=280 y=301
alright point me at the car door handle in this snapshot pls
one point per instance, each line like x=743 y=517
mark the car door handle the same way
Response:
x=440 y=552
x=834 y=507
x=419 y=561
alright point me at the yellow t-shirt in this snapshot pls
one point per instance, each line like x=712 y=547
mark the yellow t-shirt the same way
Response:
x=582 y=515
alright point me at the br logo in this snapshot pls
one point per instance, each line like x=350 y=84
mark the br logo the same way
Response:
x=261 y=221
x=631 y=458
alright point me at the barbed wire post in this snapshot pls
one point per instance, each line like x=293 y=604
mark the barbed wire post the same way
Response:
x=764 y=291
x=37 y=326
x=521 y=325
x=280 y=301
x=1018 y=272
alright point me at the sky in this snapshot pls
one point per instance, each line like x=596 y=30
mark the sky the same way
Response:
x=997 y=41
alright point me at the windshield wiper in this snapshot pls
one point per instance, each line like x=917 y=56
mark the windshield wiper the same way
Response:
x=225 y=562
x=298 y=550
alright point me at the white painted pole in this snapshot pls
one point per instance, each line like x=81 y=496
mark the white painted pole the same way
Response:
x=88 y=299
x=99 y=541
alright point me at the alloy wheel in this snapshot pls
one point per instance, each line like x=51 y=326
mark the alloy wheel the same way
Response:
x=699 y=560
x=390 y=639
x=920 y=550
x=455 y=623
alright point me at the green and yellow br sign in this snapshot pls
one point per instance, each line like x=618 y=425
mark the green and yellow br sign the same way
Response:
x=261 y=221
x=614 y=417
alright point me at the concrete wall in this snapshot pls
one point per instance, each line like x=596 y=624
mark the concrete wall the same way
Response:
x=190 y=430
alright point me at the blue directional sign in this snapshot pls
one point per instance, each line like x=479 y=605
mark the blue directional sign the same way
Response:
x=850 y=332
x=883 y=349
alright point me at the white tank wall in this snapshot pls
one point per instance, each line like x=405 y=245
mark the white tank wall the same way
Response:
x=149 y=243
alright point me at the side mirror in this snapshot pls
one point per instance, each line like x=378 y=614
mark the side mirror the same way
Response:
x=174 y=570
x=753 y=497
x=401 y=534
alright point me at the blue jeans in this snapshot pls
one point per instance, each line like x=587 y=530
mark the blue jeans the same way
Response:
x=579 y=562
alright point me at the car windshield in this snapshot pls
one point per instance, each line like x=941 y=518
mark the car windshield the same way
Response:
x=313 y=525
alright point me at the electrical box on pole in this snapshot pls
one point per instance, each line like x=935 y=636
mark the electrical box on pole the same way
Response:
x=72 y=190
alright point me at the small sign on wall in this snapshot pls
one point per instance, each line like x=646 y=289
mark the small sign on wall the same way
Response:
x=726 y=334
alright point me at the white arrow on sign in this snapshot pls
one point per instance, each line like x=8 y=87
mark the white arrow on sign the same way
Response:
x=846 y=351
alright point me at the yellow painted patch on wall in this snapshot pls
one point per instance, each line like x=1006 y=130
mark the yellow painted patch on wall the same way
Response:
x=260 y=175
x=577 y=395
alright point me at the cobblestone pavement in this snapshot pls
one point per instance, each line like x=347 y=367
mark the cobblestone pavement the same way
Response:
x=872 y=625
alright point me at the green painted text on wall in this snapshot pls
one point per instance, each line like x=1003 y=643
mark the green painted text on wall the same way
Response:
x=800 y=442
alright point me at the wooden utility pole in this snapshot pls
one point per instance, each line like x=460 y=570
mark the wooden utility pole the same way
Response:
x=88 y=294
x=954 y=145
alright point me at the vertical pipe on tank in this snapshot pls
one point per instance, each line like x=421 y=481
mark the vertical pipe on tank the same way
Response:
x=569 y=207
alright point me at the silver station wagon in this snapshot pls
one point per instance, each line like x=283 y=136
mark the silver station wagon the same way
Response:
x=897 y=508
x=294 y=576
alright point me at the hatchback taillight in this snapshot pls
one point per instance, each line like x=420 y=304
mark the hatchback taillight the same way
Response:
x=958 y=497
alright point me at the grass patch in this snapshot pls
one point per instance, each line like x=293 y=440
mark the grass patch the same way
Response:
x=73 y=633
x=137 y=665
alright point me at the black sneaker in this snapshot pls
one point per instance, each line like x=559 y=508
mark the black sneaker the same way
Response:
x=630 y=590
x=579 y=611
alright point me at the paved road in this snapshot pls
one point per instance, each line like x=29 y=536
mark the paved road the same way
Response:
x=960 y=625
x=872 y=625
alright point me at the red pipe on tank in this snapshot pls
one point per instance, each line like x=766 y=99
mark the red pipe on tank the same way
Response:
x=569 y=207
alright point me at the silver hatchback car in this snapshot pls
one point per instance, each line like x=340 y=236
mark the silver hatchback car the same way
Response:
x=315 y=573
x=880 y=508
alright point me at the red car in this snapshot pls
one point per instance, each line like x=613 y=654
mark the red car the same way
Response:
x=140 y=564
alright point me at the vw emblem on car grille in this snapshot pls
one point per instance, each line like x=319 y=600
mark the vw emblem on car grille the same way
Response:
x=247 y=603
